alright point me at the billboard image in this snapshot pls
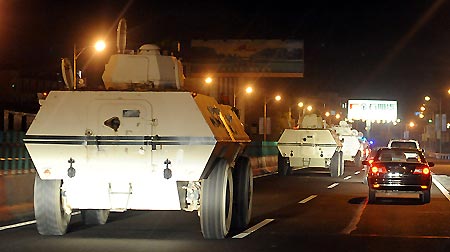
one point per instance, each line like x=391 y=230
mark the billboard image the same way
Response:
x=247 y=58
x=372 y=110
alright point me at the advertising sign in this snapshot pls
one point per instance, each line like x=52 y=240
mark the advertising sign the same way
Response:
x=372 y=110
x=247 y=58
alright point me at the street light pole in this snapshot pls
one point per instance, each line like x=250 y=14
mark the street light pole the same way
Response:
x=277 y=98
x=265 y=118
x=440 y=124
x=99 y=46
x=75 y=56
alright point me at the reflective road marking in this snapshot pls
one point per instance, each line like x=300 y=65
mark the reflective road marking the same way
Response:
x=26 y=223
x=357 y=172
x=348 y=177
x=442 y=188
x=307 y=199
x=333 y=185
x=253 y=229
x=18 y=225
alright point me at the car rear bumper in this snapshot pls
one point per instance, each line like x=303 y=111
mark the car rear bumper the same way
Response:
x=405 y=184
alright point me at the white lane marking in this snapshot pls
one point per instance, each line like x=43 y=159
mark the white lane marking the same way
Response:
x=18 y=225
x=253 y=229
x=333 y=185
x=442 y=189
x=26 y=223
x=348 y=177
x=264 y=175
x=307 y=199
x=357 y=172
x=356 y=218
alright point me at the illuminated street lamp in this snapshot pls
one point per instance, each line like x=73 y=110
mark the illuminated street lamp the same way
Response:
x=208 y=80
x=277 y=98
x=99 y=46
x=309 y=108
x=248 y=90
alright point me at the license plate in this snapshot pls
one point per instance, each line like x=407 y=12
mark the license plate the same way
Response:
x=394 y=175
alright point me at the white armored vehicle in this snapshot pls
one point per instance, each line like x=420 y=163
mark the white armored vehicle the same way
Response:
x=152 y=149
x=352 y=147
x=310 y=146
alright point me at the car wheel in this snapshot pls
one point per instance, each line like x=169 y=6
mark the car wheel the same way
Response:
x=425 y=196
x=372 y=195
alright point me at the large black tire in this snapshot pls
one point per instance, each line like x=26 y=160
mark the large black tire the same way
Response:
x=50 y=208
x=337 y=164
x=242 y=194
x=358 y=159
x=95 y=216
x=372 y=195
x=425 y=196
x=217 y=202
x=284 y=166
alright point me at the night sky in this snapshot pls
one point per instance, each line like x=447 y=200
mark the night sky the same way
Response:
x=362 y=49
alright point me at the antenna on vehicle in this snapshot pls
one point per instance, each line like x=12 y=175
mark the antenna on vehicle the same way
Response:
x=121 y=36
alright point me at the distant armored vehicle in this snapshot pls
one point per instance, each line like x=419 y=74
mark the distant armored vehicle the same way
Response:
x=352 y=146
x=310 y=146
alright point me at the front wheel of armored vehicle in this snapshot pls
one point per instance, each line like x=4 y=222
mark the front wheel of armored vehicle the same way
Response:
x=243 y=193
x=217 y=202
x=95 y=216
x=50 y=207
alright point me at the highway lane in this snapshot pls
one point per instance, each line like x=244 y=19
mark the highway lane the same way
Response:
x=307 y=211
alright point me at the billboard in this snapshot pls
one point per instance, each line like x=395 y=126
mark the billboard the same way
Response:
x=247 y=58
x=372 y=110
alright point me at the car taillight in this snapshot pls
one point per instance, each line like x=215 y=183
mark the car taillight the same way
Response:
x=378 y=169
x=425 y=170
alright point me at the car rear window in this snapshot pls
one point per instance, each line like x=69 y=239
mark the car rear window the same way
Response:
x=404 y=145
x=399 y=156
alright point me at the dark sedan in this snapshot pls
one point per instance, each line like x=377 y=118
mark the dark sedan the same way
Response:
x=399 y=170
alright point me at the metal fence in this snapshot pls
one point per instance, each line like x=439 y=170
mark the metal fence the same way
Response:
x=14 y=157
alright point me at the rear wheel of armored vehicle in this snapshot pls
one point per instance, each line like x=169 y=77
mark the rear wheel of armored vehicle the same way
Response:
x=358 y=161
x=217 y=202
x=284 y=166
x=95 y=216
x=242 y=193
x=50 y=207
x=337 y=164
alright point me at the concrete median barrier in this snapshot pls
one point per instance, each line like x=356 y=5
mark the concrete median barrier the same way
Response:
x=16 y=196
